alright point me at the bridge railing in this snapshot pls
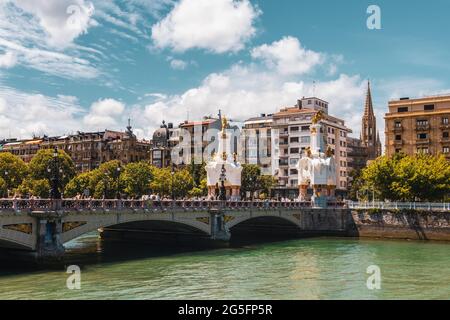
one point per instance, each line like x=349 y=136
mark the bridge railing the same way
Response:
x=423 y=206
x=161 y=205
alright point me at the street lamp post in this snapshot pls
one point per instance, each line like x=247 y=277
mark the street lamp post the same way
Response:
x=7 y=183
x=119 y=169
x=172 y=184
x=54 y=170
x=222 y=179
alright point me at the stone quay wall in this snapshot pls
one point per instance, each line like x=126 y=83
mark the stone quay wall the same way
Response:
x=399 y=224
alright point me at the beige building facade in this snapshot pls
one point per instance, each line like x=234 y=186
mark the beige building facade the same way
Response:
x=418 y=126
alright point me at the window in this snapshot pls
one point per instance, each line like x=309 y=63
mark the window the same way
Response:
x=445 y=134
x=293 y=162
x=294 y=129
x=295 y=150
x=398 y=124
x=429 y=107
x=422 y=150
x=294 y=140
x=422 y=122
x=294 y=171
x=305 y=139
x=402 y=109
x=398 y=137
x=446 y=150
x=422 y=136
x=444 y=121
x=398 y=150
x=305 y=128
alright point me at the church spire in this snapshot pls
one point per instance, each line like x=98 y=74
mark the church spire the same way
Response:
x=369 y=133
x=368 y=109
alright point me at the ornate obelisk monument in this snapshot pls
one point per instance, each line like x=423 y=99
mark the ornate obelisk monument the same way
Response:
x=223 y=170
x=317 y=168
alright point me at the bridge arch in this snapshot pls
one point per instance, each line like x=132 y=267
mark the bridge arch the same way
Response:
x=264 y=228
x=159 y=222
x=7 y=243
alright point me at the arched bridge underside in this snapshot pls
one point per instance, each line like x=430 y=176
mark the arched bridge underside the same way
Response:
x=35 y=230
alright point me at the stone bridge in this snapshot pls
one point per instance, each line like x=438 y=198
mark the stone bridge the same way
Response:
x=44 y=226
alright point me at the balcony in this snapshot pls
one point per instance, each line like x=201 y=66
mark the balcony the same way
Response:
x=445 y=126
x=398 y=129
x=423 y=127
x=445 y=140
x=284 y=134
x=399 y=142
x=423 y=141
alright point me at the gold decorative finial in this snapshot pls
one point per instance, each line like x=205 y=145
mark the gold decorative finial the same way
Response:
x=317 y=117
x=224 y=123
x=308 y=152
x=329 y=152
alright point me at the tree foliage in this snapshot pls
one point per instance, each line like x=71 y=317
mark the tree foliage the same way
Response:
x=42 y=165
x=136 y=179
x=3 y=188
x=38 y=188
x=406 y=178
x=12 y=170
x=253 y=181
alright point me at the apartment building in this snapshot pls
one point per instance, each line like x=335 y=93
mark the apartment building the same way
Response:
x=289 y=135
x=419 y=126
x=87 y=149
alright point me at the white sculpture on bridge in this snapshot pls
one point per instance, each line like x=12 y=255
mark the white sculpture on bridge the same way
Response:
x=224 y=159
x=317 y=168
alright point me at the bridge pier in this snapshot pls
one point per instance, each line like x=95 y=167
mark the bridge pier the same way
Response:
x=219 y=231
x=49 y=247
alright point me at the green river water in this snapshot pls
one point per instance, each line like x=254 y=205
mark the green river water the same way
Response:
x=322 y=268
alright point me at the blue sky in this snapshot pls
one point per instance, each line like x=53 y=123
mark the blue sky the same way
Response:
x=68 y=65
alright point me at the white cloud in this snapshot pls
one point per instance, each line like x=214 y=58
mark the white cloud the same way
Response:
x=245 y=91
x=23 y=115
x=62 y=20
x=288 y=57
x=104 y=113
x=22 y=34
x=51 y=62
x=218 y=26
x=8 y=60
x=177 y=64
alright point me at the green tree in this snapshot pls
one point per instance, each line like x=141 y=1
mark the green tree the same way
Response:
x=79 y=184
x=12 y=170
x=162 y=182
x=42 y=164
x=250 y=179
x=182 y=183
x=106 y=180
x=406 y=178
x=3 y=188
x=266 y=184
x=136 y=178
x=200 y=190
x=39 y=188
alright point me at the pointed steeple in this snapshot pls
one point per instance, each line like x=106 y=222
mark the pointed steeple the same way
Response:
x=369 y=127
x=368 y=109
